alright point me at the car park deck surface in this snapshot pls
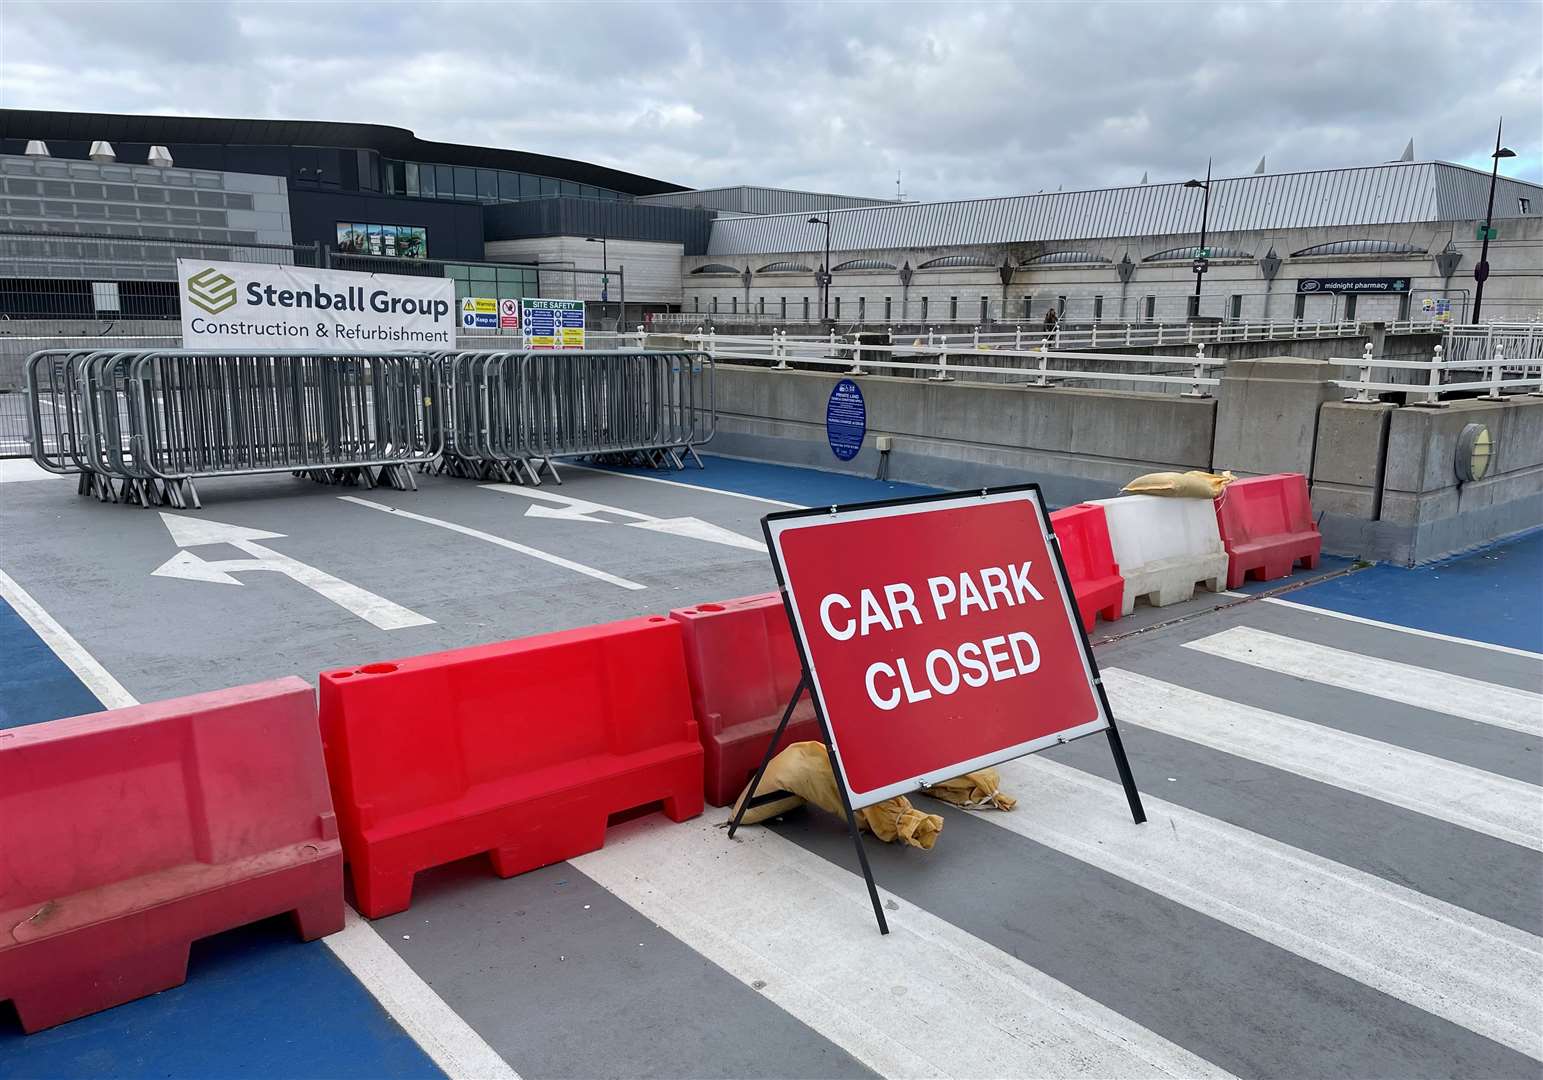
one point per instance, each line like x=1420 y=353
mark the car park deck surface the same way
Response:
x=1341 y=874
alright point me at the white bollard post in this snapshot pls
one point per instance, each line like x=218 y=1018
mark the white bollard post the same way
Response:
x=712 y=342
x=942 y=375
x=1159 y=334
x=1194 y=387
x=780 y=348
x=1496 y=373
x=1093 y=344
x=1433 y=384
x=1056 y=337
x=1363 y=394
x=1127 y=335
x=1018 y=338
x=975 y=340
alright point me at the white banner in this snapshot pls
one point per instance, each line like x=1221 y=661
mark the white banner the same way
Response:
x=250 y=305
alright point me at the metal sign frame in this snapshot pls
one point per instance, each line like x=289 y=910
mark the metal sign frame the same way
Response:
x=774 y=525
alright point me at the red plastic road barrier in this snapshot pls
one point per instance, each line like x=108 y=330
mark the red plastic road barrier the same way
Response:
x=743 y=668
x=521 y=749
x=1095 y=576
x=129 y=834
x=1266 y=524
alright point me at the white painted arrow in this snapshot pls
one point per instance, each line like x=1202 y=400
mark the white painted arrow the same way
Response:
x=188 y=566
x=567 y=508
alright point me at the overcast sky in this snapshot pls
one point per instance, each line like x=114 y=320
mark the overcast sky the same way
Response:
x=962 y=99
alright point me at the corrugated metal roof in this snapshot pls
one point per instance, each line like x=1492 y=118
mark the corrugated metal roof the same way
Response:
x=1374 y=195
x=748 y=199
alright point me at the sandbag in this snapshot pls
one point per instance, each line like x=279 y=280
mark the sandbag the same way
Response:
x=974 y=791
x=1187 y=485
x=803 y=769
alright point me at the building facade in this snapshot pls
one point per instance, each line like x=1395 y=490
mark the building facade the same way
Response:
x=1383 y=242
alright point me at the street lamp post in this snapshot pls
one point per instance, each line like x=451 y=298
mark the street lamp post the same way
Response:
x=1481 y=272
x=605 y=276
x=825 y=270
x=1201 y=263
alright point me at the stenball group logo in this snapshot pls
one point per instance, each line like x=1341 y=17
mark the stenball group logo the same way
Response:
x=211 y=290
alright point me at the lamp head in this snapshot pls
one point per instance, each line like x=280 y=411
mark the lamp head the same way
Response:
x=1504 y=152
x=1194 y=183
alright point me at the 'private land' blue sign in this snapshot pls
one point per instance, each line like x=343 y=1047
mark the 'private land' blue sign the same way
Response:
x=846 y=420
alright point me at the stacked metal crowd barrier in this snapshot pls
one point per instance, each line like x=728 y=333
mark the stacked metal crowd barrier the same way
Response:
x=139 y=426
x=509 y=414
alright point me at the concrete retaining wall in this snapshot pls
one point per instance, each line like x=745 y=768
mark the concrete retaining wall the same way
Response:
x=1078 y=443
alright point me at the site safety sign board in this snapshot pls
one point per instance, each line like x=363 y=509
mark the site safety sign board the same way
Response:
x=939 y=634
x=479 y=313
x=552 y=324
x=250 y=306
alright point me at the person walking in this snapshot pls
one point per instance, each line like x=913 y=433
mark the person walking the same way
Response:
x=1050 y=319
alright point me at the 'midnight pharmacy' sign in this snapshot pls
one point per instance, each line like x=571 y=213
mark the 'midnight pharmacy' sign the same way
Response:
x=246 y=306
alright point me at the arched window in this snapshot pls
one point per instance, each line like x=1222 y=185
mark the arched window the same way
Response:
x=715 y=268
x=1062 y=258
x=1186 y=253
x=863 y=264
x=1359 y=247
x=948 y=262
x=785 y=268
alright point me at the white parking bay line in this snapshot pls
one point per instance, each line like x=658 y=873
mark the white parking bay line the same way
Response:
x=1456 y=695
x=1497 y=806
x=1313 y=609
x=407 y=999
x=478 y=534
x=450 y=1041
x=1463 y=967
x=969 y=1009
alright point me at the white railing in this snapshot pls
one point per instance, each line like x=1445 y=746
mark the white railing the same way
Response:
x=943 y=360
x=1497 y=372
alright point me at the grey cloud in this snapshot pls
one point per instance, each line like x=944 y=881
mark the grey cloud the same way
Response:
x=966 y=99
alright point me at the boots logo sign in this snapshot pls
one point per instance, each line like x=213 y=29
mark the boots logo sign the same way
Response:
x=211 y=290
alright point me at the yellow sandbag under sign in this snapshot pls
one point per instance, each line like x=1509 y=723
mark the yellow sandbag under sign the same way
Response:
x=1186 y=485
x=804 y=770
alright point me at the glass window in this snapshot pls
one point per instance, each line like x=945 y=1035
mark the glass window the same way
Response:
x=760 y=305
x=1524 y=205
x=953 y=309
x=426 y=182
x=734 y=305
x=806 y=309
x=1151 y=309
x=1098 y=309
x=466 y=184
x=985 y=309
x=487 y=185
x=1301 y=308
x=570 y=187
x=588 y=191
x=715 y=305
x=1403 y=306
x=888 y=308
x=696 y=304
x=410 y=177
x=508 y=187
x=549 y=186
x=444 y=178
x=1235 y=306
x=211 y=198
x=1349 y=306
x=530 y=186
x=862 y=308
x=784 y=312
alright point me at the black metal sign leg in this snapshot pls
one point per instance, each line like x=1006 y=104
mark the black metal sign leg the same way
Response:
x=1126 y=779
x=771 y=750
x=857 y=841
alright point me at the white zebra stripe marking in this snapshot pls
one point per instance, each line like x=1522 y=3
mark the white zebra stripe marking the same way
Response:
x=1497 y=806
x=1456 y=695
x=1463 y=967
x=968 y=1009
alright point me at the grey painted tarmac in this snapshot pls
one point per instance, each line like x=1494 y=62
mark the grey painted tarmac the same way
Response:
x=564 y=990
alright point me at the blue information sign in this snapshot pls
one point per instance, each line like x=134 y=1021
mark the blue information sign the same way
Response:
x=846 y=420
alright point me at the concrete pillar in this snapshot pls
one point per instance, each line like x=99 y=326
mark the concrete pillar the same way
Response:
x=1267 y=413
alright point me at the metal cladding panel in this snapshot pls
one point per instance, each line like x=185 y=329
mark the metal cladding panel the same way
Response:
x=748 y=199
x=1375 y=195
x=567 y=216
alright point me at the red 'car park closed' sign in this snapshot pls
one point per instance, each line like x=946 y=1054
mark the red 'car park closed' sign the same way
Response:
x=939 y=635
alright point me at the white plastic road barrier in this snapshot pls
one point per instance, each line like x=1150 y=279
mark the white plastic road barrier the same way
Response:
x=1164 y=547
